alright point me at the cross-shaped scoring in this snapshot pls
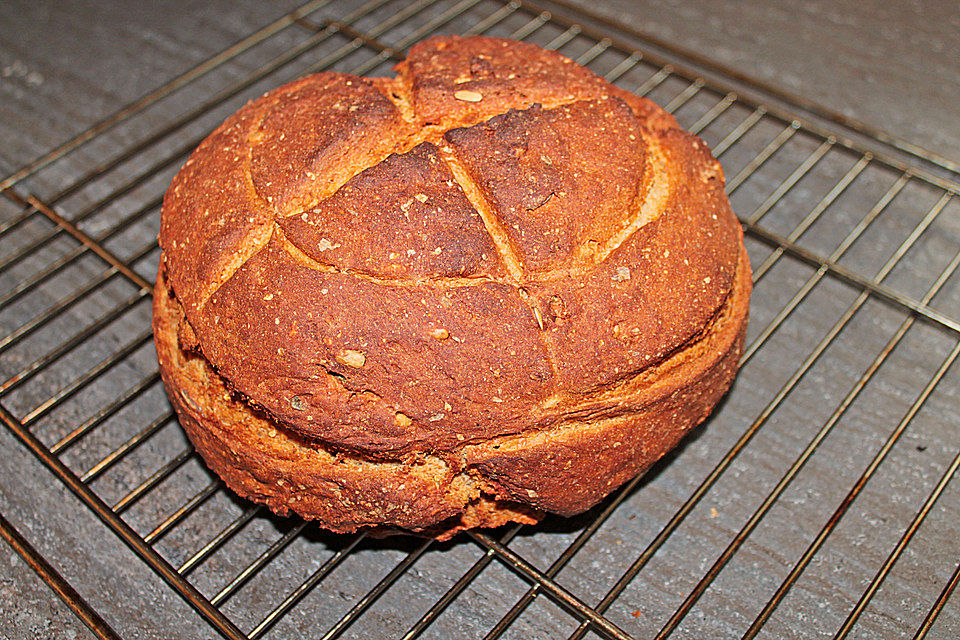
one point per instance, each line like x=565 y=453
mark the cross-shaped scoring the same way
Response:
x=495 y=244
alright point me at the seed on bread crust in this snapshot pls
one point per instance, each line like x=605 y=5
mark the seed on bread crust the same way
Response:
x=468 y=96
x=351 y=358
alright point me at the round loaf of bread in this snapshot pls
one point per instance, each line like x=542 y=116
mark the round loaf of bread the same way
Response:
x=491 y=287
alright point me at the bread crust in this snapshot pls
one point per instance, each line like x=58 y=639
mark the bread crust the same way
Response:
x=494 y=286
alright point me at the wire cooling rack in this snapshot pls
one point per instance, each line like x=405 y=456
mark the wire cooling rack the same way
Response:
x=816 y=501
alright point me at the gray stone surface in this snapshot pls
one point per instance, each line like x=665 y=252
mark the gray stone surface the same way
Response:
x=67 y=65
x=892 y=65
x=28 y=605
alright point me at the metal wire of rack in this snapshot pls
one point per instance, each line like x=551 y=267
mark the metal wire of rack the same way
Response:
x=816 y=500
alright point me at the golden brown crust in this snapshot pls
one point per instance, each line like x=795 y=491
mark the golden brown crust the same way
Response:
x=619 y=434
x=338 y=356
x=567 y=198
x=505 y=74
x=566 y=469
x=495 y=252
x=315 y=132
x=261 y=460
x=418 y=223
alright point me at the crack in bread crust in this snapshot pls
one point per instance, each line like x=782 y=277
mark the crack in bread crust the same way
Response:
x=649 y=202
x=257 y=238
x=489 y=213
x=451 y=281
x=508 y=254
x=253 y=244
x=396 y=91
